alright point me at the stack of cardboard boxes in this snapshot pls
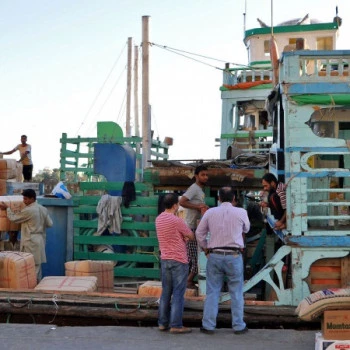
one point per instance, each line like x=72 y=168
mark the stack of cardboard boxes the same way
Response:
x=335 y=331
x=10 y=171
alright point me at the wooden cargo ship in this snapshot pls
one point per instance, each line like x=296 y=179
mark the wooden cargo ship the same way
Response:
x=288 y=116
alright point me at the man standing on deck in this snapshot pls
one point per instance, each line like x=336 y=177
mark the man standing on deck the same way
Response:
x=227 y=225
x=276 y=199
x=34 y=219
x=172 y=233
x=25 y=152
x=193 y=201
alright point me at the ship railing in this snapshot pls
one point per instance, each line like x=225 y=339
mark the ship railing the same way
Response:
x=315 y=66
x=329 y=214
x=318 y=195
x=235 y=76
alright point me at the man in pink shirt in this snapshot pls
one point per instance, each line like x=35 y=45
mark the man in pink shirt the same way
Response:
x=220 y=235
x=172 y=233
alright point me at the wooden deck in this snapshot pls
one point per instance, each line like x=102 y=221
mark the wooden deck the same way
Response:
x=128 y=307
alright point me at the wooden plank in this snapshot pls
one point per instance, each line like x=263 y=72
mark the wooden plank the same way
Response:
x=108 y=186
x=336 y=275
x=117 y=240
x=218 y=177
x=345 y=272
x=327 y=262
x=137 y=272
x=317 y=287
x=134 y=313
x=140 y=200
x=88 y=209
x=135 y=225
x=144 y=258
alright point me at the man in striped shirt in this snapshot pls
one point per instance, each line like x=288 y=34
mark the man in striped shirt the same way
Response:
x=172 y=233
x=223 y=247
x=194 y=201
x=276 y=199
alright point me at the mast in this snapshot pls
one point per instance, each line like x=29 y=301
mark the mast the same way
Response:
x=136 y=108
x=136 y=88
x=128 y=90
x=146 y=117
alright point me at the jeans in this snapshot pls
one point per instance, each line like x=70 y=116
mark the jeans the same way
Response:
x=174 y=281
x=219 y=266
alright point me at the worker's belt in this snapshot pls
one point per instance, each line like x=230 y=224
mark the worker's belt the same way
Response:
x=225 y=250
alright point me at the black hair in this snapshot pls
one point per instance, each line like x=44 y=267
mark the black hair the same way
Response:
x=29 y=193
x=24 y=136
x=269 y=178
x=200 y=168
x=170 y=199
x=226 y=194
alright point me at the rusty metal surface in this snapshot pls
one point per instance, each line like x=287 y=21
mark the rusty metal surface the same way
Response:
x=180 y=176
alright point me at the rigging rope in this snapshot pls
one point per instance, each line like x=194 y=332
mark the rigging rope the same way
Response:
x=100 y=90
x=183 y=52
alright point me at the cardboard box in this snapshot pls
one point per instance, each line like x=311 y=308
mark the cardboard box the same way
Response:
x=2 y=187
x=10 y=169
x=154 y=289
x=103 y=270
x=16 y=204
x=328 y=344
x=336 y=325
x=17 y=270
x=57 y=284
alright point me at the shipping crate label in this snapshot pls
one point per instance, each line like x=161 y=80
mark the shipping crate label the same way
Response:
x=336 y=324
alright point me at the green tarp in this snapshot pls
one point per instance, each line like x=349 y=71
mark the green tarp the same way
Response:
x=319 y=99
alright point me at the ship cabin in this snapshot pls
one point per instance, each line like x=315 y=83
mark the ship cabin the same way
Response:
x=246 y=123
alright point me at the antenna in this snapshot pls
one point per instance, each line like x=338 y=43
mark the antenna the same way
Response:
x=337 y=19
x=271 y=17
x=244 y=17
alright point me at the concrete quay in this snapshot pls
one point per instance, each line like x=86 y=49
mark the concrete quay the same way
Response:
x=51 y=337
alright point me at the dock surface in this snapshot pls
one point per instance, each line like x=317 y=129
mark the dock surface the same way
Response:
x=31 y=336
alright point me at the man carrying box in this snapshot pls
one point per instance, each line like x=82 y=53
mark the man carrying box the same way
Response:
x=34 y=219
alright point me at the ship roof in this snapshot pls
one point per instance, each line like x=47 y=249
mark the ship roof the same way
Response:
x=292 y=28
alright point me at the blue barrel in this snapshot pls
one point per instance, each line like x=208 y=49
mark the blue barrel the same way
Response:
x=59 y=237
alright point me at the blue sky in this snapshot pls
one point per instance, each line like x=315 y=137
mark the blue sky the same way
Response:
x=56 y=55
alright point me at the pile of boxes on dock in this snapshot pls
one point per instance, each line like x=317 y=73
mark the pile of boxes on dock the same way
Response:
x=335 y=331
x=81 y=276
x=332 y=307
x=11 y=179
x=17 y=272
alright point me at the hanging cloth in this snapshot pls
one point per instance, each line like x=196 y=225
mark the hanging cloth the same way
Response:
x=109 y=214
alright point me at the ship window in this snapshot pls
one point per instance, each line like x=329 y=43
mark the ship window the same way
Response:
x=331 y=122
x=324 y=43
x=344 y=126
x=267 y=48
x=323 y=129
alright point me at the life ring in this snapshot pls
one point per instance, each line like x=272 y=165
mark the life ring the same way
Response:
x=274 y=56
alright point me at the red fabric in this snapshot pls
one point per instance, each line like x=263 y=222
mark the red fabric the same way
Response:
x=247 y=85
